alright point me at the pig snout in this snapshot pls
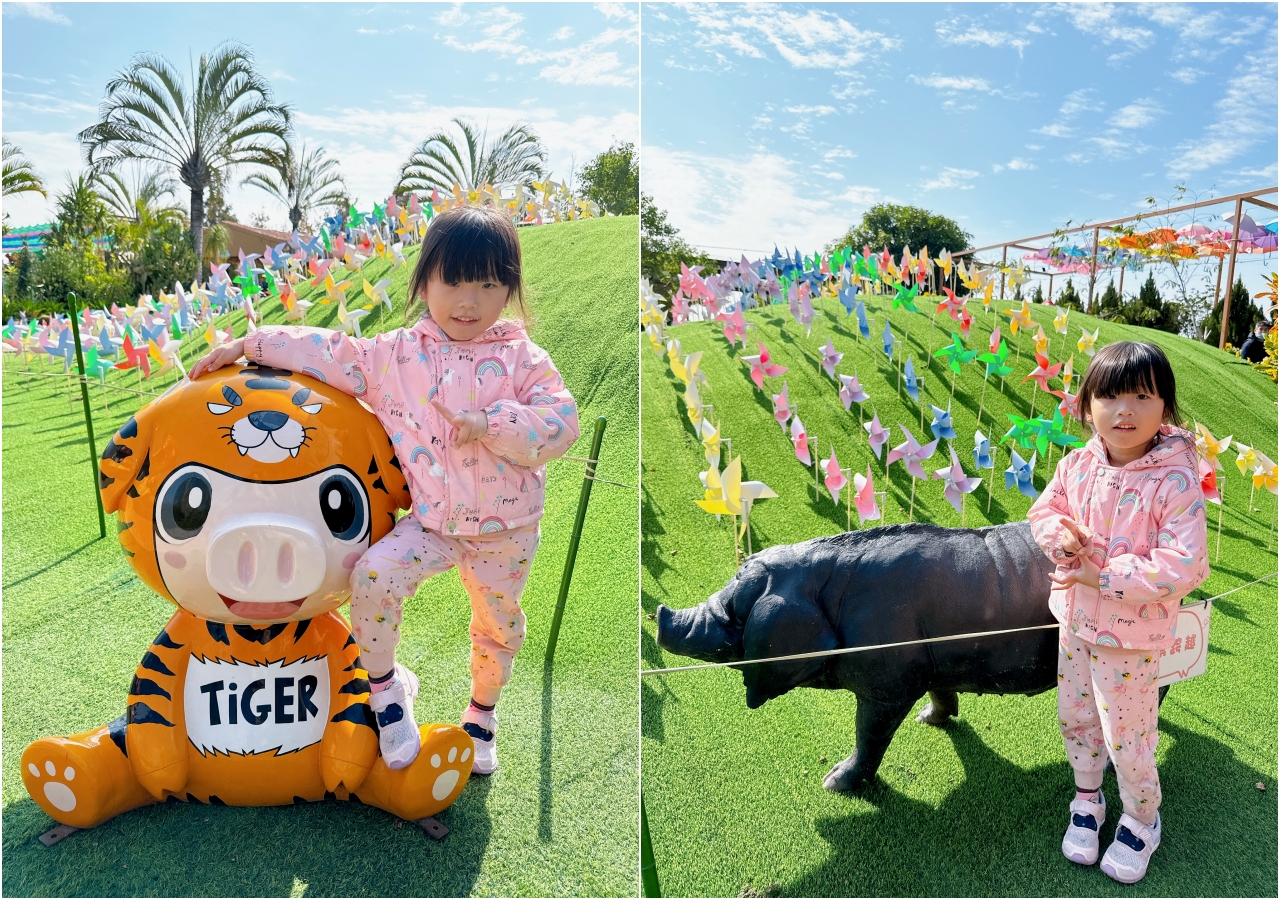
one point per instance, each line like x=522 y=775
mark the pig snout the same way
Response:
x=265 y=558
x=698 y=633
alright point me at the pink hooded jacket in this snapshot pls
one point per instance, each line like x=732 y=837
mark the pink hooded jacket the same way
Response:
x=1149 y=538
x=483 y=487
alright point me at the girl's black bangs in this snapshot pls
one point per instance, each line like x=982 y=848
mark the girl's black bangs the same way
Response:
x=472 y=252
x=1130 y=373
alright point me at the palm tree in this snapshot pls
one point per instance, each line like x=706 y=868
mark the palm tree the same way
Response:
x=440 y=162
x=301 y=181
x=224 y=120
x=19 y=173
x=141 y=201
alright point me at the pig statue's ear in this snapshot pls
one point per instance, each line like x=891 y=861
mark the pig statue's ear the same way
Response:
x=781 y=626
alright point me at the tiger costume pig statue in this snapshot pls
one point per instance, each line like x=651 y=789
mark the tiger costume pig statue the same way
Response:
x=245 y=498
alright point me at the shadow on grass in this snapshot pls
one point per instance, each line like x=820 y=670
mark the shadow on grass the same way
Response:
x=180 y=850
x=997 y=832
x=54 y=564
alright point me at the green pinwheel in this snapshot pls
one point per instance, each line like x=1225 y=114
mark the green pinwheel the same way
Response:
x=956 y=354
x=904 y=297
x=1023 y=431
x=1059 y=435
x=995 y=361
x=1038 y=432
x=271 y=283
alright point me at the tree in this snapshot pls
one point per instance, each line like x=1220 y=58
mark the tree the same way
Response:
x=301 y=180
x=662 y=250
x=440 y=161
x=895 y=227
x=225 y=120
x=1038 y=296
x=612 y=180
x=217 y=210
x=20 y=173
x=1243 y=317
x=82 y=216
x=1109 y=303
x=1069 y=298
x=143 y=202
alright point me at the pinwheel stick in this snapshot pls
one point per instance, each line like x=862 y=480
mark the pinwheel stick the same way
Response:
x=911 y=516
x=1222 y=500
x=982 y=400
x=72 y=307
x=1033 y=402
x=817 y=470
x=992 y=479
x=848 y=498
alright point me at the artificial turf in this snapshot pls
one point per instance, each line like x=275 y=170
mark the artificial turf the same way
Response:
x=560 y=816
x=734 y=798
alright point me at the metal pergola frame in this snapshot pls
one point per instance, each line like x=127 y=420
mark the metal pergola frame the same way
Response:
x=1239 y=200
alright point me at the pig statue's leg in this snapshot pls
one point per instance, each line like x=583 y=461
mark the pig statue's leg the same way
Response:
x=876 y=723
x=941 y=707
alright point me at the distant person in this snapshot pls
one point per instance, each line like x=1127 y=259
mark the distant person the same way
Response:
x=1253 y=348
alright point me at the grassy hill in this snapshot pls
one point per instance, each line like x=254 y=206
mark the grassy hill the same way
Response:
x=734 y=797
x=560 y=816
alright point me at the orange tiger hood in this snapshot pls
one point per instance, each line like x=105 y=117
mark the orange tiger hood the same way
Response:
x=248 y=495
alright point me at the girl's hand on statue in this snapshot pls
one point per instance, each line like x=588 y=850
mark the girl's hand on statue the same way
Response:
x=217 y=358
x=468 y=425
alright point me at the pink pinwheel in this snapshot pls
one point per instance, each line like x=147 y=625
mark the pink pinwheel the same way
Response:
x=912 y=454
x=1070 y=405
x=782 y=408
x=800 y=440
x=692 y=283
x=679 y=308
x=834 y=480
x=761 y=366
x=1042 y=373
x=831 y=359
x=735 y=328
x=852 y=391
x=865 y=498
x=966 y=322
x=806 y=309
x=994 y=346
x=953 y=305
x=958 y=483
x=877 y=436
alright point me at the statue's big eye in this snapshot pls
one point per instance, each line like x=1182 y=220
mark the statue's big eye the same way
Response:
x=342 y=507
x=184 y=507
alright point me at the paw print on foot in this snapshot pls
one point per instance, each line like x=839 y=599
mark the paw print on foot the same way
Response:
x=436 y=777
x=57 y=792
x=447 y=780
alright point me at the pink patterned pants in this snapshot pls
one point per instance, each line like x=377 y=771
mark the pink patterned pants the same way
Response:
x=1108 y=704
x=493 y=569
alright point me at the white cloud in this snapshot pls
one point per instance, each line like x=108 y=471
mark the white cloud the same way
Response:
x=747 y=202
x=1186 y=75
x=501 y=33
x=1054 y=130
x=1034 y=147
x=1267 y=172
x=959 y=31
x=1138 y=114
x=952 y=82
x=1016 y=164
x=562 y=34
x=619 y=11
x=43 y=11
x=805 y=38
x=1077 y=102
x=49 y=104
x=280 y=75
x=839 y=153
x=1246 y=115
x=950 y=179
x=810 y=110
x=453 y=17
x=1101 y=20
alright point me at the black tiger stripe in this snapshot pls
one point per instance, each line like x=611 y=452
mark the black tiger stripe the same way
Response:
x=380 y=486
x=146 y=468
x=330 y=795
x=116 y=729
x=218 y=631
x=129 y=429
x=260 y=635
x=122 y=526
x=154 y=663
x=163 y=640
x=298 y=801
x=355 y=686
x=104 y=480
x=192 y=798
x=133 y=491
x=215 y=800
x=301 y=629
x=396 y=462
x=141 y=714
x=373 y=466
x=360 y=714
x=116 y=453
x=143 y=687
x=350 y=640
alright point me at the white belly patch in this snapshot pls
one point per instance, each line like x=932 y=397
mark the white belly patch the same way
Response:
x=235 y=707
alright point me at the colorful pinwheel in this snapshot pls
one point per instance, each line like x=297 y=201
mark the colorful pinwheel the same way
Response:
x=941 y=426
x=957 y=484
x=1019 y=474
x=761 y=367
x=877 y=436
x=830 y=359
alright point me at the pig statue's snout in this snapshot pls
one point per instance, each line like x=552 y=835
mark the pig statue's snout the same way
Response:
x=697 y=633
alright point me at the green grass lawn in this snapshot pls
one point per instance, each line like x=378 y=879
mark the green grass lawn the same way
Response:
x=559 y=818
x=734 y=797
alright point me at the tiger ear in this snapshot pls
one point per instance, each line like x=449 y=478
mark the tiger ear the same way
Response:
x=125 y=460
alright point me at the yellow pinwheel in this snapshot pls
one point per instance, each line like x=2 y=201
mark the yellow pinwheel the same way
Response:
x=1020 y=318
x=1265 y=475
x=1209 y=447
x=1060 y=321
x=1247 y=458
x=711 y=443
x=1068 y=373
x=1087 y=341
x=1042 y=342
x=693 y=404
x=944 y=261
x=334 y=291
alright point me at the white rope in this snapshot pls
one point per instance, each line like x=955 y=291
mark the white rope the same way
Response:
x=591 y=471
x=950 y=637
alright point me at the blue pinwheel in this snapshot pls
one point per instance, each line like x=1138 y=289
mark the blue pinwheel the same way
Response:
x=941 y=426
x=1019 y=474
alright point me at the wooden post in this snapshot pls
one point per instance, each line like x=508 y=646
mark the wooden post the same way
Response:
x=1122 y=268
x=1004 y=261
x=1231 y=280
x=1217 y=289
x=1050 y=300
x=1093 y=272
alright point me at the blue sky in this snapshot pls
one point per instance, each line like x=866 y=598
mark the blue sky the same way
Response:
x=368 y=81
x=781 y=123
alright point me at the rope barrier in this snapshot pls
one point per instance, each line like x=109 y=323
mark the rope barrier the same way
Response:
x=77 y=378
x=950 y=637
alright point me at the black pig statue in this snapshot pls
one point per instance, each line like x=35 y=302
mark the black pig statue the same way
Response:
x=879 y=586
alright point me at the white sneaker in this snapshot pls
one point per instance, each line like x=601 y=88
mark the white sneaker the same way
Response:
x=397 y=728
x=1127 y=857
x=1080 y=843
x=483 y=728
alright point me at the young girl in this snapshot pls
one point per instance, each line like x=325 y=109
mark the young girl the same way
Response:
x=474 y=410
x=1124 y=520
